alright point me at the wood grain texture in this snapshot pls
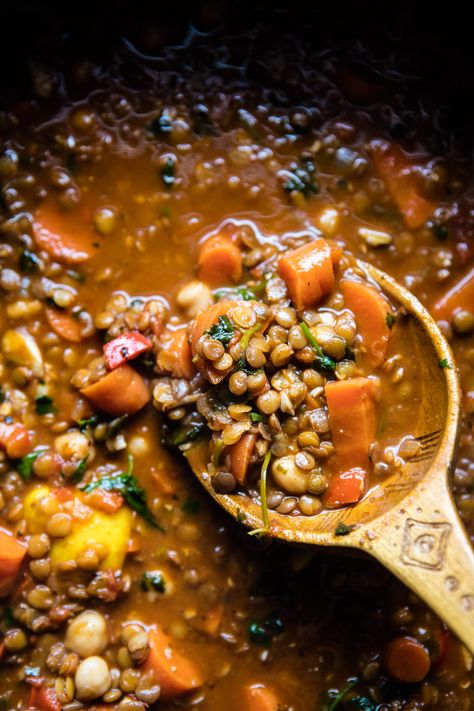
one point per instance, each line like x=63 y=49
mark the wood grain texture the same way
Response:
x=408 y=521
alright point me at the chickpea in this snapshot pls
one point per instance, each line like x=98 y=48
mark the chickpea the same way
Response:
x=105 y=220
x=87 y=634
x=92 y=678
x=194 y=297
x=72 y=445
x=288 y=476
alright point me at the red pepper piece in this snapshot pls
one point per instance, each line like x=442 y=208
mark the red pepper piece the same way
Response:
x=125 y=347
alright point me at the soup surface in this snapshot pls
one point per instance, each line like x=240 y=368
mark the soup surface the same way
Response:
x=122 y=585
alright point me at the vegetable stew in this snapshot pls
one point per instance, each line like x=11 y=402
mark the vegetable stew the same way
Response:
x=179 y=237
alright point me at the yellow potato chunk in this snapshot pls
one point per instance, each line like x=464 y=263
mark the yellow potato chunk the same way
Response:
x=107 y=532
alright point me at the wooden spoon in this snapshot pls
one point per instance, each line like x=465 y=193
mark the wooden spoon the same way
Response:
x=409 y=521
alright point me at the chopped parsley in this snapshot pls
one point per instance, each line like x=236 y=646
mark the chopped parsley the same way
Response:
x=127 y=485
x=168 y=172
x=390 y=320
x=88 y=422
x=222 y=331
x=24 y=466
x=79 y=471
x=191 y=506
x=153 y=580
x=444 y=363
x=29 y=262
x=185 y=434
x=343 y=529
x=256 y=417
x=321 y=361
x=44 y=405
x=362 y=703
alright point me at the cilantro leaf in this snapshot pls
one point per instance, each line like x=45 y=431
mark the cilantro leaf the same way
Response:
x=24 y=466
x=87 y=422
x=127 y=485
x=79 y=471
x=338 y=696
x=153 y=580
x=390 y=320
x=444 y=363
x=343 y=529
x=222 y=331
x=321 y=361
x=44 y=405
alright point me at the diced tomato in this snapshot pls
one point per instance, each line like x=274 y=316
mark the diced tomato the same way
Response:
x=125 y=347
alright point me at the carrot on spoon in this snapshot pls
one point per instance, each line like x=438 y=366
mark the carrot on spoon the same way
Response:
x=372 y=314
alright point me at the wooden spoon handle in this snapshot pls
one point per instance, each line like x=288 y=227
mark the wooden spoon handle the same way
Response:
x=424 y=543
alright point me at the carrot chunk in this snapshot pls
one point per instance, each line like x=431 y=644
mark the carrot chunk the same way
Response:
x=345 y=488
x=121 y=392
x=44 y=698
x=15 y=439
x=219 y=260
x=174 y=356
x=208 y=318
x=352 y=418
x=108 y=501
x=173 y=671
x=308 y=272
x=12 y=552
x=257 y=697
x=407 y=660
x=370 y=309
x=457 y=297
x=63 y=235
x=240 y=455
x=64 y=325
x=398 y=173
x=124 y=348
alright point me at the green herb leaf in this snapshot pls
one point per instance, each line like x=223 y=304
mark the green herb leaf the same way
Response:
x=335 y=701
x=444 y=363
x=127 y=485
x=241 y=516
x=256 y=417
x=88 y=422
x=168 y=172
x=186 y=433
x=8 y=619
x=300 y=178
x=29 y=262
x=24 y=466
x=343 y=529
x=222 y=331
x=390 y=320
x=321 y=361
x=362 y=703
x=44 y=405
x=153 y=580
x=243 y=366
x=191 y=506
x=79 y=471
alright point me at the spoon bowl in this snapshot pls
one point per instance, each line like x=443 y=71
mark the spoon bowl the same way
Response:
x=408 y=521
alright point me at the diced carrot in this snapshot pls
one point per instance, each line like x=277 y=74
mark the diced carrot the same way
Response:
x=240 y=455
x=219 y=260
x=108 y=501
x=398 y=172
x=44 y=698
x=345 y=488
x=407 y=660
x=172 y=670
x=65 y=236
x=15 y=439
x=352 y=418
x=125 y=347
x=210 y=622
x=259 y=697
x=121 y=392
x=308 y=272
x=208 y=318
x=174 y=356
x=370 y=309
x=459 y=296
x=12 y=552
x=64 y=325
